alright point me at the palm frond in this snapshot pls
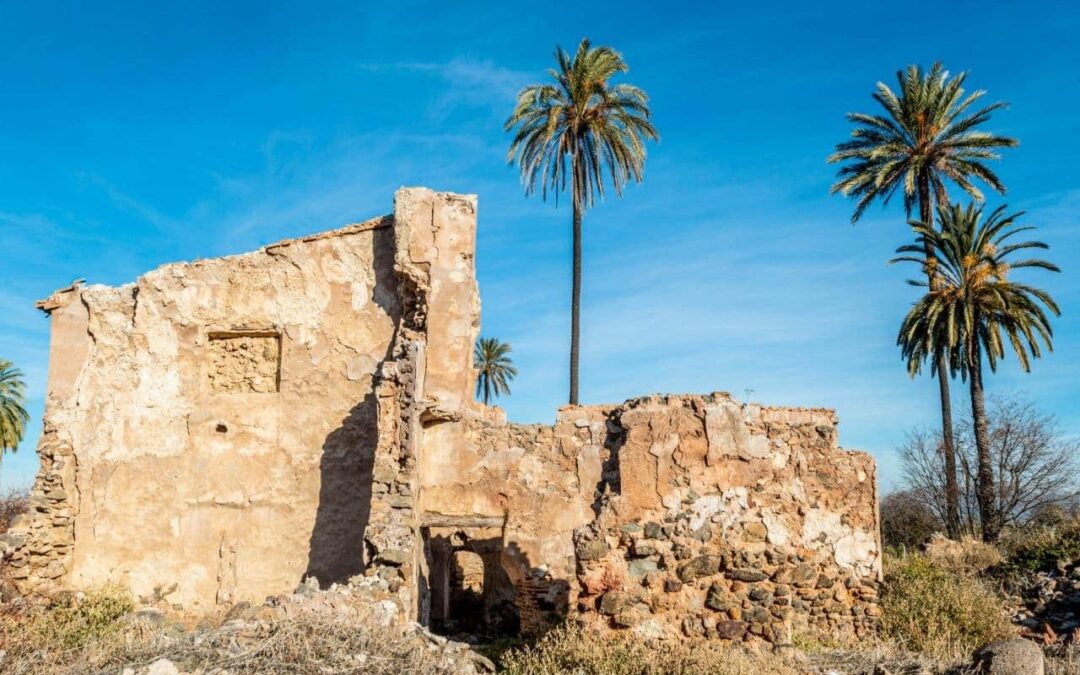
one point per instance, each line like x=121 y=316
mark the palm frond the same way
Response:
x=13 y=415
x=973 y=293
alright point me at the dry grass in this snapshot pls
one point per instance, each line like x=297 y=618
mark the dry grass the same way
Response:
x=93 y=633
x=1063 y=660
x=570 y=649
x=940 y=609
x=967 y=557
x=882 y=656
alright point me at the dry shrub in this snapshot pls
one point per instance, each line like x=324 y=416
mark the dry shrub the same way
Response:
x=966 y=557
x=906 y=521
x=940 y=610
x=570 y=649
x=67 y=624
x=12 y=504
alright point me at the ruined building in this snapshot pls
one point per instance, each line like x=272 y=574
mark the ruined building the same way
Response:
x=220 y=430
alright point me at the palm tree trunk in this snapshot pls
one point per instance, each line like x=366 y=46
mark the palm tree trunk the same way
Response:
x=984 y=487
x=575 y=305
x=948 y=447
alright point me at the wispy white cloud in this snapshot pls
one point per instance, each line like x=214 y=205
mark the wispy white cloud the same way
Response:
x=132 y=206
x=468 y=83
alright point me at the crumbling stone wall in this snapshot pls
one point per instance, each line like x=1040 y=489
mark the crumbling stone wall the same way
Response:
x=732 y=521
x=221 y=430
x=428 y=379
x=673 y=516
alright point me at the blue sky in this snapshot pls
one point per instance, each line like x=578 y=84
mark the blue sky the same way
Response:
x=135 y=134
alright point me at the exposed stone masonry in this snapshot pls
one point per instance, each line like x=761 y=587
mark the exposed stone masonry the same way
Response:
x=732 y=521
x=41 y=541
x=244 y=363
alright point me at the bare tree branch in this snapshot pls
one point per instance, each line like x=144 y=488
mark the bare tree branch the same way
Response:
x=1035 y=461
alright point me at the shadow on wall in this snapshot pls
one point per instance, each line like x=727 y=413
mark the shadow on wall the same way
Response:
x=543 y=600
x=336 y=550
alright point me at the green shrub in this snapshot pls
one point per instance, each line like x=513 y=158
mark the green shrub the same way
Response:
x=942 y=612
x=75 y=620
x=1040 y=549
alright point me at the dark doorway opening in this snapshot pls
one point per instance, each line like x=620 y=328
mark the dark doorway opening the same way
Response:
x=469 y=591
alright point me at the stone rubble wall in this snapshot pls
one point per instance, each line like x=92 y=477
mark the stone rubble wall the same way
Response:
x=38 y=544
x=673 y=516
x=732 y=521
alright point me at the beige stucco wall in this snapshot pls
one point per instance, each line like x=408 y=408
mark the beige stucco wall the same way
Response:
x=227 y=495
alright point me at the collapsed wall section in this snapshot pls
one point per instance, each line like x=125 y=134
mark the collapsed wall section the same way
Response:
x=675 y=517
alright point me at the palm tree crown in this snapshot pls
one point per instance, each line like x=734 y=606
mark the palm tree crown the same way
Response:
x=927 y=135
x=13 y=416
x=580 y=127
x=495 y=368
x=972 y=307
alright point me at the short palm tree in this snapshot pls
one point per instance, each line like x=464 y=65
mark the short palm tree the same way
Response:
x=970 y=310
x=13 y=415
x=576 y=133
x=928 y=136
x=495 y=367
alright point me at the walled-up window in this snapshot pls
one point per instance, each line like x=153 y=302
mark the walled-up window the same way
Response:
x=244 y=361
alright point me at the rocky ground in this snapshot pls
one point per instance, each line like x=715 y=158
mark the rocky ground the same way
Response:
x=1048 y=606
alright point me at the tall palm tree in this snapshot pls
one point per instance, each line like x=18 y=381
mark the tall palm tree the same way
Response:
x=495 y=367
x=571 y=133
x=928 y=135
x=13 y=416
x=970 y=309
